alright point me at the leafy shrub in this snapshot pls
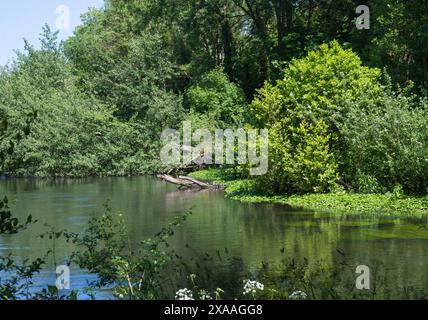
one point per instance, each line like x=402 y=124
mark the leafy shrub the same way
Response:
x=140 y=273
x=321 y=86
x=368 y=184
x=73 y=136
x=390 y=143
x=222 y=101
x=301 y=159
x=303 y=112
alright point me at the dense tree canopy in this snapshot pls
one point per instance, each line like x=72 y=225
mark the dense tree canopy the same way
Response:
x=301 y=68
x=250 y=40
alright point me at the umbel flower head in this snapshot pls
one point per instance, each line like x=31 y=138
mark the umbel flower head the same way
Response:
x=251 y=287
x=184 y=294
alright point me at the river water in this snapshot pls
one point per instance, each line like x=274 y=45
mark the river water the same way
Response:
x=252 y=232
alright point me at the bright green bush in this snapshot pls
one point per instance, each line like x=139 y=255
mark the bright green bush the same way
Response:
x=303 y=112
x=374 y=138
x=321 y=86
x=301 y=159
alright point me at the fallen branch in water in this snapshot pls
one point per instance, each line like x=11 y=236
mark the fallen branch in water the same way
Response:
x=187 y=182
x=197 y=182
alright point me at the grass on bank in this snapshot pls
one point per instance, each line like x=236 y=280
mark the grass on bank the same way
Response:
x=394 y=203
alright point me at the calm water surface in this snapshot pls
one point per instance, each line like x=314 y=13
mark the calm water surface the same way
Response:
x=255 y=233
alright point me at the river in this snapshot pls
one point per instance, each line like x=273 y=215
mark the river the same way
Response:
x=252 y=232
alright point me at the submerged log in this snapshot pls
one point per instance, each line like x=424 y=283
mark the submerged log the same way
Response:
x=197 y=182
x=178 y=182
x=187 y=182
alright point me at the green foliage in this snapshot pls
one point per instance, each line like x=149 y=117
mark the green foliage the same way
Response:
x=8 y=223
x=17 y=276
x=303 y=111
x=301 y=159
x=373 y=138
x=138 y=273
x=342 y=203
x=96 y=106
x=75 y=134
x=9 y=138
x=105 y=98
x=321 y=86
x=121 y=69
x=20 y=280
x=394 y=203
x=399 y=40
x=390 y=143
x=215 y=97
x=368 y=184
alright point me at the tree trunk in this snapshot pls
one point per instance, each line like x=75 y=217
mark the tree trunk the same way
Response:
x=281 y=25
x=284 y=12
x=227 y=39
x=425 y=64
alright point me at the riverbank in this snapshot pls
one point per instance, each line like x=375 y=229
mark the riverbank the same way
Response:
x=394 y=204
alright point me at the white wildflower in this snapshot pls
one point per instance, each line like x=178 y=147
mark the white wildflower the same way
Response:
x=251 y=287
x=298 y=295
x=204 y=295
x=218 y=293
x=184 y=294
